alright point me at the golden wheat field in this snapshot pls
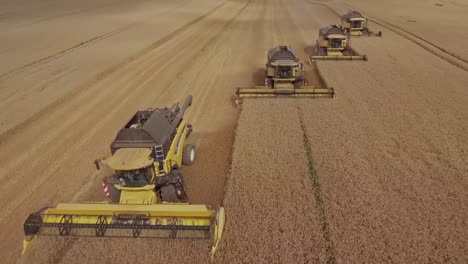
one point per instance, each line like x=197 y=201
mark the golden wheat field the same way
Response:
x=378 y=174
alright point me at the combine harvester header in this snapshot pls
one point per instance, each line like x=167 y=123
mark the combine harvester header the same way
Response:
x=101 y=219
x=262 y=91
x=146 y=193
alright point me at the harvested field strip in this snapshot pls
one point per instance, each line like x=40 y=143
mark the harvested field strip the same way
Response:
x=272 y=216
x=319 y=202
x=424 y=40
x=314 y=75
x=282 y=26
x=144 y=89
x=452 y=2
x=88 y=84
x=69 y=13
x=108 y=35
x=427 y=45
x=325 y=5
x=40 y=182
x=71 y=49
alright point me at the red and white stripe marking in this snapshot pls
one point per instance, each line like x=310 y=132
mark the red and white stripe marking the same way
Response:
x=106 y=190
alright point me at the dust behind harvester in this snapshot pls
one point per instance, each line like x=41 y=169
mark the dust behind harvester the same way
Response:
x=146 y=192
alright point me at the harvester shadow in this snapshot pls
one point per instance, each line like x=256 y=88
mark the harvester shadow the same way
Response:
x=258 y=77
x=310 y=50
x=313 y=74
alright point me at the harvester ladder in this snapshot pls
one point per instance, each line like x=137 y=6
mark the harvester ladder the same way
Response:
x=159 y=153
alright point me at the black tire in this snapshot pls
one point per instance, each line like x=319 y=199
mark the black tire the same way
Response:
x=188 y=154
x=168 y=194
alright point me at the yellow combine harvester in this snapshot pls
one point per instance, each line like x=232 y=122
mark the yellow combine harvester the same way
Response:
x=284 y=76
x=146 y=192
x=354 y=24
x=333 y=44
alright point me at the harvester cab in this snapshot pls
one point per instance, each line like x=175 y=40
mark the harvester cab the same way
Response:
x=333 y=44
x=284 y=76
x=354 y=24
x=146 y=191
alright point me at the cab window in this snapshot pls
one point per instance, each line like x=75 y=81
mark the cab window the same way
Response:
x=335 y=43
x=284 y=72
x=356 y=24
x=134 y=178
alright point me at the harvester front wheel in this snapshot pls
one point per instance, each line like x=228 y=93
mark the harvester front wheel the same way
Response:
x=169 y=194
x=188 y=155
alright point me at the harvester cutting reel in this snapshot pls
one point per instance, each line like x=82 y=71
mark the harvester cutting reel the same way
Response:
x=115 y=220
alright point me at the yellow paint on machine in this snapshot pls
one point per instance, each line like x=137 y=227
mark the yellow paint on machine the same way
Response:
x=169 y=209
x=99 y=215
x=306 y=91
x=335 y=56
